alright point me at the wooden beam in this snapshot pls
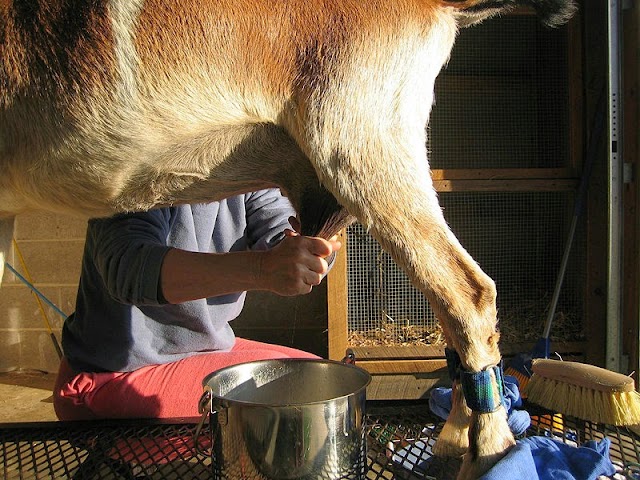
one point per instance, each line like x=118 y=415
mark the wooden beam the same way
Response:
x=404 y=366
x=398 y=352
x=436 y=352
x=337 y=311
x=503 y=173
x=504 y=185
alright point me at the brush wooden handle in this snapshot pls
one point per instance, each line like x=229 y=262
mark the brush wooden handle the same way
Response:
x=583 y=375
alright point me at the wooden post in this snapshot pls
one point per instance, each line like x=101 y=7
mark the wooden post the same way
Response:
x=337 y=285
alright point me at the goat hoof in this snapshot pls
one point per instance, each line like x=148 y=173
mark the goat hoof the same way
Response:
x=453 y=441
x=490 y=439
x=473 y=469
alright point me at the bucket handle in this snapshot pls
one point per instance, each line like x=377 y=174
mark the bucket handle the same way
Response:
x=205 y=408
x=349 y=357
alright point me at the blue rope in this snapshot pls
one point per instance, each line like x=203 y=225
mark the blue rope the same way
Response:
x=36 y=291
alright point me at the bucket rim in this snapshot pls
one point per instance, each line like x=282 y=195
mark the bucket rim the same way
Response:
x=365 y=384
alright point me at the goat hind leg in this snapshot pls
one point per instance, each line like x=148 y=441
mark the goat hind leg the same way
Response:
x=408 y=222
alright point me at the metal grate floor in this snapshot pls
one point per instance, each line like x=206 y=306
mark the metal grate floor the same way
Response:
x=400 y=437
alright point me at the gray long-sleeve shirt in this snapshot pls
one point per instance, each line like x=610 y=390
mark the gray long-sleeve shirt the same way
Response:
x=121 y=322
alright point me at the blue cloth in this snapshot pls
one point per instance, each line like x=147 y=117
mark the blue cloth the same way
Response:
x=122 y=322
x=532 y=458
x=518 y=420
x=542 y=458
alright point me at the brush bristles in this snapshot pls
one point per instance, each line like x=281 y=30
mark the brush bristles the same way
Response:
x=523 y=379
x=612 y=408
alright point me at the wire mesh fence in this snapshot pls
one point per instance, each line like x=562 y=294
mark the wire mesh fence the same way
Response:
x=516 y=237
x=503 y=99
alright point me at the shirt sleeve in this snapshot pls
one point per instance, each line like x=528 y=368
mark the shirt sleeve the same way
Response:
x=268 y=213
x=127 y=251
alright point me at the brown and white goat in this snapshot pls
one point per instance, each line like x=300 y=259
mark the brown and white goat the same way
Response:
x=122 y=105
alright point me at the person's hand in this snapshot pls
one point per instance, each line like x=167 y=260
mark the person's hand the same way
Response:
x=297 y=264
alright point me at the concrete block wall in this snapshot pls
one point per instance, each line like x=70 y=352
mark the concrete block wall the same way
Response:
x=51 y=246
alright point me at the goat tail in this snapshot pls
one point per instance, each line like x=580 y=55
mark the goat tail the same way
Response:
x=554 y=12
x=6 y=236
x=551 y=12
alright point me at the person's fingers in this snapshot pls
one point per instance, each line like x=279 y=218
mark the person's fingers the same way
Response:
x=317 y=246
x=313 y=279
x=320 y=247
x=317 y=266
x=335 y=244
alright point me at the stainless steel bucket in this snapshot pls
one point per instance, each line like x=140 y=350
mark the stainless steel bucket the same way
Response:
x=287 y=419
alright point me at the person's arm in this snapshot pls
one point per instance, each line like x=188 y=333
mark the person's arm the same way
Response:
x=127 y=252
x=292 y=267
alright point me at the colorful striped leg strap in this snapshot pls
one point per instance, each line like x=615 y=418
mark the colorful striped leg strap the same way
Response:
x=484 y=390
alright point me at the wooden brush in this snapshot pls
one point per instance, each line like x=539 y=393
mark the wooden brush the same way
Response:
x=584 y=391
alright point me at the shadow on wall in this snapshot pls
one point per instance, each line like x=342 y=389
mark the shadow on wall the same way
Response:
x=298 y=322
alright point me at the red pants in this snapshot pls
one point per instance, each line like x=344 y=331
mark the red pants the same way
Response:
x=157 y=391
